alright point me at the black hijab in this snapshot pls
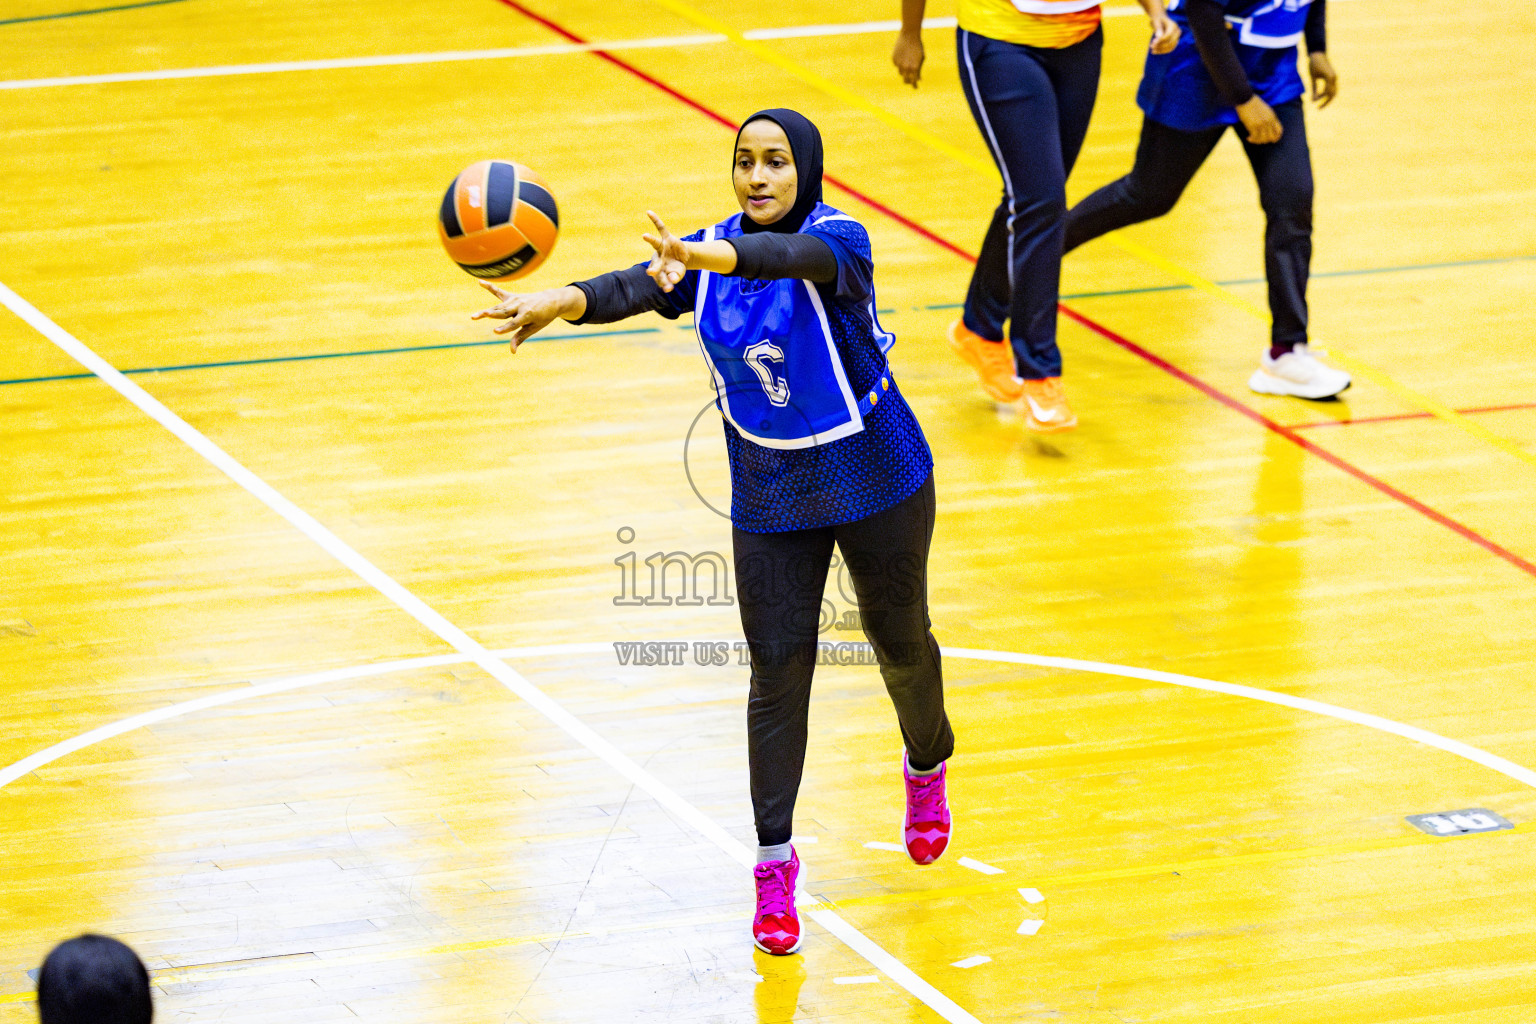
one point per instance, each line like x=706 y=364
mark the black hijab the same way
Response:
x=805 y=147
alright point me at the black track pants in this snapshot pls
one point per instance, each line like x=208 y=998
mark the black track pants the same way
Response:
x=1166 y=160
x=1032 y=105
x=780 y=580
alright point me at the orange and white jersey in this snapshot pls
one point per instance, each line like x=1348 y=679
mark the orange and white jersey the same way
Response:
x=1049 y=23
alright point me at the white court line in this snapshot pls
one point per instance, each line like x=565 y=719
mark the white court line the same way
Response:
x=1463 y=750
x=418 y=609
x=976 y=865
x=830 y=922
x=387 y=60
x=450 y=56
x=1411 y=732
x=27 y=765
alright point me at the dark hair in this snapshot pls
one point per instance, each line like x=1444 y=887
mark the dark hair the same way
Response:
x=93 y=980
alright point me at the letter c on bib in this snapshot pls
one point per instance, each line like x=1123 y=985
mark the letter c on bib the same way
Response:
x=775 y=386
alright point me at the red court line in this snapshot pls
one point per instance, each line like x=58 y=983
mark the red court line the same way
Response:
x=561 y=30
x=1290 y=435
x=1412 y=416
x=1104 y=332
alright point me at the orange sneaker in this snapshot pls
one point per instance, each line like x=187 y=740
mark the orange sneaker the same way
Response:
x=1045 y=406
x=992 y=360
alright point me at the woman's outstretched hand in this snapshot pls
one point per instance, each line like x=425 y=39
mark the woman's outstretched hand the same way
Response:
x=670 y=263
x=526 y=315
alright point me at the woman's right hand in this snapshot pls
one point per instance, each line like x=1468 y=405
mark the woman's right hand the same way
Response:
x=526 y=315
x=1165 y=33
x=908 y=57
x=1259 y=119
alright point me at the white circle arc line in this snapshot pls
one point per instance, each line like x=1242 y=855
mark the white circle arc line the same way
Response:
x=1466 y=751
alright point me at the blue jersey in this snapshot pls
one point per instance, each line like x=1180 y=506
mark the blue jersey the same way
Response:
x=1176 y=89
x=816 y=430
x=778 y=377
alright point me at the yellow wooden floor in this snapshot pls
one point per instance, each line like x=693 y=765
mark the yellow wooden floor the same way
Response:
x=414 y=842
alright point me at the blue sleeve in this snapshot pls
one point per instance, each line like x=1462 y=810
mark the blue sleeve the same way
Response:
x=849 y=243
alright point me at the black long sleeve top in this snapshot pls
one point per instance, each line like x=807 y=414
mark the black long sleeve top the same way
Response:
x=763 y=256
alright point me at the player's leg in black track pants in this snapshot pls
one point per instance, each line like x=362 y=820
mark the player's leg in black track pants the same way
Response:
x=1032 y=105
x=1166 y=160
x=1284 y=172
x=780 y=580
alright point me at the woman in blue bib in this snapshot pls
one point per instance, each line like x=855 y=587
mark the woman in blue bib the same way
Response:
x=823 y=451
x=1236 y=68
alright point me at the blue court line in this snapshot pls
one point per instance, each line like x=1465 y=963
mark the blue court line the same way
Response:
x=93 y=10
x=331 y=355
x=1362 y=272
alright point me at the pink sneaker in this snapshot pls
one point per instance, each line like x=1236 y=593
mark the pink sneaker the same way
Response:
x=776 y=925
x=927 y=821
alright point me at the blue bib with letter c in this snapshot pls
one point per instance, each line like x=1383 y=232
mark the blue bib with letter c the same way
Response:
x=778 y=377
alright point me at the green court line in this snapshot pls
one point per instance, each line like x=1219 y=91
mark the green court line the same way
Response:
x=1361 y=272
x=331 y=355
x=1416 y=266
x=93 y=10
x=653 y=330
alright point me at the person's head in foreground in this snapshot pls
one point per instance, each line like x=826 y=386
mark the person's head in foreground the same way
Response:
x=93 y=980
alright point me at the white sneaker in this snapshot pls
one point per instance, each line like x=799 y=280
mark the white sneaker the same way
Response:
x=1298 y=373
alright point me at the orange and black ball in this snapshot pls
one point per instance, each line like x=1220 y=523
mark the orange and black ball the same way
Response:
x=498 y=220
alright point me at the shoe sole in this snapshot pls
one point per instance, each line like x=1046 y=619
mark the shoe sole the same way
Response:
x=950 y=842
x=1049 y=428
x=914 y=860
x=791 y=951
x=959 y=348
x=1267 y=384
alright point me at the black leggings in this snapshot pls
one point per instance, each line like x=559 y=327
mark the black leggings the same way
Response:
x=780 y=579
x=1166 y=160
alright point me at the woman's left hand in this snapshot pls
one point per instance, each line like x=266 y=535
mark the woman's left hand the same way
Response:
x=1165 y=33
x=1325 y=80
x=670 y=263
